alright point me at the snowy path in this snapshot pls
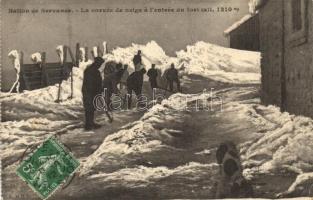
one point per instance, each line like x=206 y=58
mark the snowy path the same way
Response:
x=166 y=153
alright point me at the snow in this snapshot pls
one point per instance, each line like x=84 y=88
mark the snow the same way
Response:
x=105 y=47
x=136 y=138
x=286 y=143
x=220 y=63
x=254 y=5
x=82 y=52
x=95 y=51
x=238 y=23
x=151 y=53
x=201 y=58
x=17 y=65
x=142 y=176
x=30 y=117
x=60 y=52
x=36 y=57
x=204 y=59
x=283 y=141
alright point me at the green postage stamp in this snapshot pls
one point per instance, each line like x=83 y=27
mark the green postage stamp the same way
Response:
x=48 y=167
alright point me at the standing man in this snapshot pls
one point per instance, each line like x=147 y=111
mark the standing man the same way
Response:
x=137 y=61
x=153 y=74
x=124 y=77
x=134 y=83
x=172 y=76
x=92 y=86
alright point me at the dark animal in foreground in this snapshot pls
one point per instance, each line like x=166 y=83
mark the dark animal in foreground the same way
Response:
x=231 y=184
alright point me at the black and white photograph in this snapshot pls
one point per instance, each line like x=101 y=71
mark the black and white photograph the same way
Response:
x=156 y=99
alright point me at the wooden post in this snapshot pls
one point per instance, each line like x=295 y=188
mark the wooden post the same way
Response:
x=61 y=73
x=77 y=55
x=71 y=55
x=100 y=53
x=43 y=70
x=86 y=54
x=106 y=48
x=23 y=80
x=92 y=54
x=73 y=61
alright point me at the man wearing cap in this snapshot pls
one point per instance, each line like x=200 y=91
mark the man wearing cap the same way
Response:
x=92 y=86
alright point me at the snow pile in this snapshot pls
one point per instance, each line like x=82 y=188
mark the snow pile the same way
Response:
x=16 y=136
x=254 y=5
x=237 y=24
x=151 y=53
x=156 y=131
x=139 y=137
x=284 y=142
x=36 y=57
x=142 y=176
x=222 y=64
x=204 y=59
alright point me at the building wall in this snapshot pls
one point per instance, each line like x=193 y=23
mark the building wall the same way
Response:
x=294 y=55
x=246 y=36
x=299 y=66
x=271 y=29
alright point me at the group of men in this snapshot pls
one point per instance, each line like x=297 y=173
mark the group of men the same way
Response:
x=115 y=75
x=171 y=74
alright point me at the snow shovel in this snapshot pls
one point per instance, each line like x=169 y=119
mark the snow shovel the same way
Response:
x=109 y=116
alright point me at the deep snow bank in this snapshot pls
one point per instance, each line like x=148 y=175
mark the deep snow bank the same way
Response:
x=284 y=142
x=204 y=59
x=221 y=64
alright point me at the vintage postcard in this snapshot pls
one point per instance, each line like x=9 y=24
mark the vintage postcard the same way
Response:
x=156 y=99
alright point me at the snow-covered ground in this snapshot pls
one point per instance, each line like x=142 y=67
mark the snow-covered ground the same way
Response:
x=169 y=151
x=33 y=109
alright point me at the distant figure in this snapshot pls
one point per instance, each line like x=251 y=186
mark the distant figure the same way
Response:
x=171 y=77
x=124 y=77
x=231 y=184
x=153 y=74
x=137 y=61
x=134 y=83
x=92 y=86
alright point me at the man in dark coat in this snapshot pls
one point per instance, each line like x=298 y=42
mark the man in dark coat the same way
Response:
x=137 y=60
x=153 y=74
x=172 y=76
x=92 y=86
x=134 y=83
x=110 y=83
x=119 y=72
